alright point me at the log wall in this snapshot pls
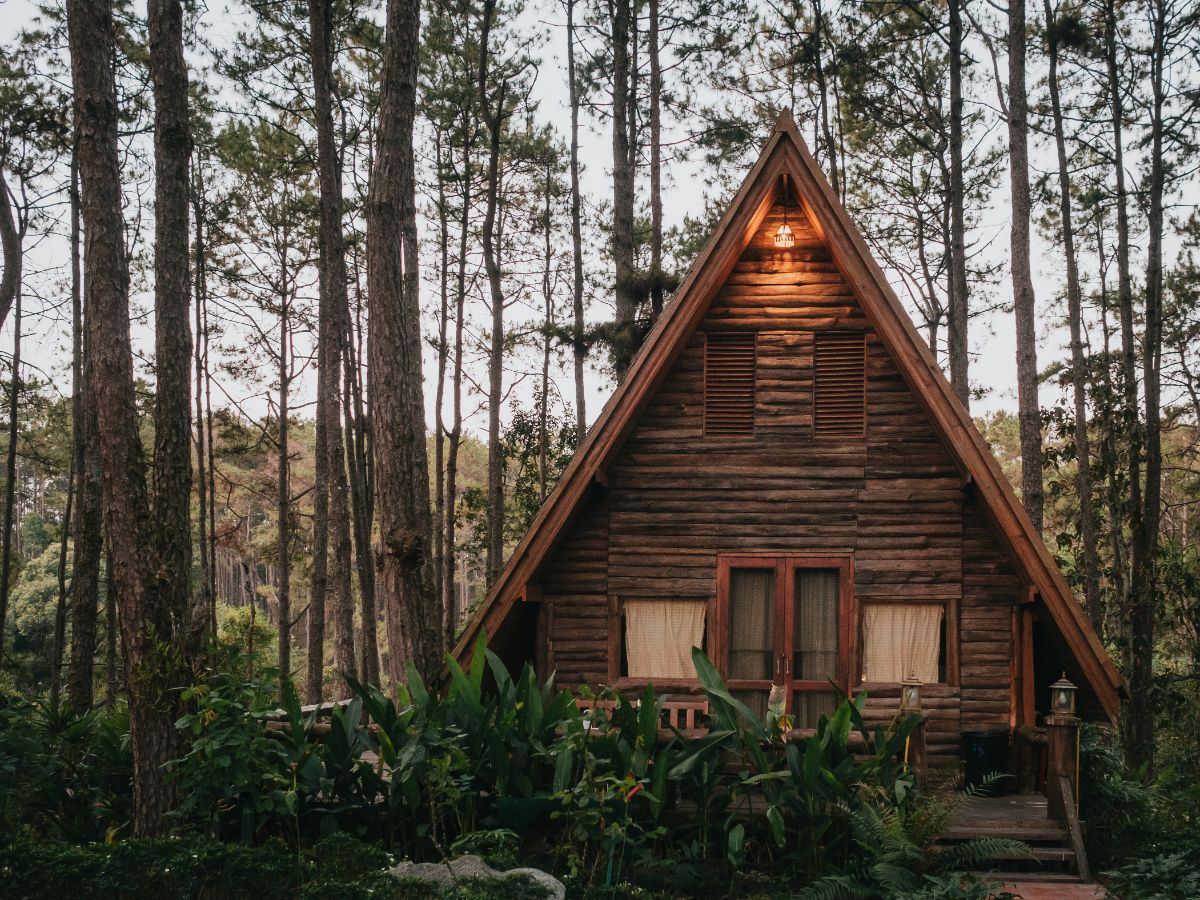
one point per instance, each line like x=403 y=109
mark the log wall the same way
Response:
x=894 y=499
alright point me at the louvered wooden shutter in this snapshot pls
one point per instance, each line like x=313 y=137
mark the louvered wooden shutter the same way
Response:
x=729 y=383
x=839 y=384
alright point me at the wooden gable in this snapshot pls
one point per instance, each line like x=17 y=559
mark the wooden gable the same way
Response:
x=655 y=491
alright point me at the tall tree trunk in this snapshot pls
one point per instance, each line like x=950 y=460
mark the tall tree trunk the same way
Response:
x=10 y=470
x=334 y=308
x=319 y=581
x=443 y=351
x=153 y=615
x=495 y=125
x=112 y=627
x=1029 y=412
x=578 y=344
x=283 y=494
x=1140 y=721
x=831 y=147
x=204 y=596
x=401 y=460
x=547 y=334
x=360 y=508
x=1083 y=453
x=450 y=601
x=12 y=236
x=13 y=253
x=172 y=485
x=959 y=303
x=656 y=209
x=625 y=289
x=60 y=608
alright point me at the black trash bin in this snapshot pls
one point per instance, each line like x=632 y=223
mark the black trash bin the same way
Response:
x=985 y=754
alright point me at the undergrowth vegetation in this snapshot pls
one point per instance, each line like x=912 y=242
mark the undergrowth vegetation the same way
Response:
x=498 y=765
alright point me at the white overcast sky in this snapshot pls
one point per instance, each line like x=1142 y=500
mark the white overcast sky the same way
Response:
x=992 y=338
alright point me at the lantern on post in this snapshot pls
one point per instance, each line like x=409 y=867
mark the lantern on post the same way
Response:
x=910 y=693
x=784 y=236
x=1062 y=697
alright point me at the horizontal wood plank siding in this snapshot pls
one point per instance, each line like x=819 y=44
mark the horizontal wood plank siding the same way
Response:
x=894 y=498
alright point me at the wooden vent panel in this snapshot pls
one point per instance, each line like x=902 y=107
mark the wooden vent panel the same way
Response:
x=840 y=384
x=729 y=361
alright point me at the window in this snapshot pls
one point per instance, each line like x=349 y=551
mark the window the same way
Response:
x=839 y=384
x=902 y=640
x=659 y=637
x=781 y=627
x=729 y=396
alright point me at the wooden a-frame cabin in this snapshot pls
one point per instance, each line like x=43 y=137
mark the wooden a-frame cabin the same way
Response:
x=785 y=478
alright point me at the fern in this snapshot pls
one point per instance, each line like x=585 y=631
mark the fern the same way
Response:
x=977 y=852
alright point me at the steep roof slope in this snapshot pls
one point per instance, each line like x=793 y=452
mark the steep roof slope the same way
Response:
x=786 y=154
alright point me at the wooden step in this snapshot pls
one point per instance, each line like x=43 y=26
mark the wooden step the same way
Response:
x=1029 y=830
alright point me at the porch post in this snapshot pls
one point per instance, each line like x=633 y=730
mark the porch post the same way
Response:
x=1063 y=763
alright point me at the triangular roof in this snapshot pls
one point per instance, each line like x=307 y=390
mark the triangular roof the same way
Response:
x=785 y=153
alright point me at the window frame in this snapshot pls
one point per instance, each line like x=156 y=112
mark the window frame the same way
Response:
x=618 y=679
x=785 y=566
x=950 y=609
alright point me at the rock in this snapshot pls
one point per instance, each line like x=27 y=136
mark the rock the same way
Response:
x=473 y=867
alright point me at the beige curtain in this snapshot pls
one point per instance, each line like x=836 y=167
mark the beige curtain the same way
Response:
x=751 y=623
x=816 y=624
x=660 y=635
x=901 y=639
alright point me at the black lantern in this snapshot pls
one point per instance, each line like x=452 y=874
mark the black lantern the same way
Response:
x=910 y=693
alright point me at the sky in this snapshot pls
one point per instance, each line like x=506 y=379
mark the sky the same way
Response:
x=992 y=337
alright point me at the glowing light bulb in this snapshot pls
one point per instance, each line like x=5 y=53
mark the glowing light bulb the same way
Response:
x=784 y=236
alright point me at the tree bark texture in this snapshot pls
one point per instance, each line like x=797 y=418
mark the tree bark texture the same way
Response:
x=402 y=465
x=1083 y=452
x=959 y=302
x=1029 y=413
x=625 y=288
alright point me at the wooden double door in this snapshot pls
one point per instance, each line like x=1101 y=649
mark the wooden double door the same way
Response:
x=786 y=622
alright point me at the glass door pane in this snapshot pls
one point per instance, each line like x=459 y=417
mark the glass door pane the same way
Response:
x=816 y=599
x=751 y=634
x=751 y=623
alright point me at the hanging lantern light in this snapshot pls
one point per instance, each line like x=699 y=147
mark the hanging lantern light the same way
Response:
x=1062 y=697
x=784 y=236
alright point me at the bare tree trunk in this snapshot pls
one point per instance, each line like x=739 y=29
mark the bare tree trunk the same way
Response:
x=283 y=494
x=625 y=291
x=10 y=244
x=656 y=209
x=172 y=485
x=60 y=609
x=10 y=469
x=112 y=627
x=1083 y=453
x=547 y=334
x=360 y=508
x=578 y=344
x=443 y=350
x=1029 y=413
x=959 y=304
x=450 y=600
x=1140 y=725
x=145 y=563
x=495 y=125
x=204 y=597
x=13 y=261
x=402 y=464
